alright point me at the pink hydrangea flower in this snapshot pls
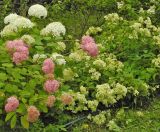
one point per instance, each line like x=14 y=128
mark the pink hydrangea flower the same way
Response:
x=12 y=104
x=22 y=49
x=33 y=114
x=87 y=39
x=66 y=99
x=18 y=50
x=18 y=57
x=51 y=100
x=48 y=66
x=91 y=49
x=88 y=44
x=51 y=86
x=12 y=45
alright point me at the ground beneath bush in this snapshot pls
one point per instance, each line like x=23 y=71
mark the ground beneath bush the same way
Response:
x=136 y=120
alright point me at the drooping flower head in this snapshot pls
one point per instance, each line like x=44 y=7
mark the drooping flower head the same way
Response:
x=33 y=114
x=51 y=100
x=38 y=11
x=88 y=44
x=66 y=99
x=12 y=104
x=51 y=86
x=48 y=66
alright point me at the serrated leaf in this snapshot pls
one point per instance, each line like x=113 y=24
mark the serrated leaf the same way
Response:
x=24 y=122
x=13 y=121
x=9 y=115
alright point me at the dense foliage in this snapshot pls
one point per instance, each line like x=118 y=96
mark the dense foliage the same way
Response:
x=91 y=63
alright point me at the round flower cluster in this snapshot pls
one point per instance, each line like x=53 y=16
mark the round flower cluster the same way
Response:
x=15 y=22
x=99 y=119
x=12 y=104
x=51 y=100
x=120 y=4
x=33 y=114
x=58 y=58
x=22 y=22
x=93 y=30
x=99 y=64
x=18 y=50
x=38 y=11
x=51 y=86
x=113 y=17
x=151 y=10
x=105 y=94
x=8 y=30
x=143 y=27
x=61 y=46
x=88 y=44
x=83 y=90
x=113 y=126
x=79 y=102
x=157 y=40
x=48 y=66
x=11 y=18
x=112 y=64
x=95 y=75
x=93 y=105
x=28 y=39
x=38 y=57
x=66 y=99
x=156 y=61
x=120 y=91
x=54 y=28
x=77 y=56
x=108 y=95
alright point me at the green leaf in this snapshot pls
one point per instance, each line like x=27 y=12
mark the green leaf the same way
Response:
x=13 y=121
x=21 y=109
x=9 y=65
x=9 y=115
x=47 y=38
x=11 y=88
x=24 y=122
x=3 y=77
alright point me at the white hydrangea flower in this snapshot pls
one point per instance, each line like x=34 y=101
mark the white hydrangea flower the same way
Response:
x=151 y=10
x=113 y=17
x=28 y=39
x=156 y=61
x=120 y=4
x=36 y=57
x=58 y=58
x=99 y=63
x=61 y=46
x=38 y=11
x=22 y=22
x=11 y=18
x=54 y=28
x=8 y=30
